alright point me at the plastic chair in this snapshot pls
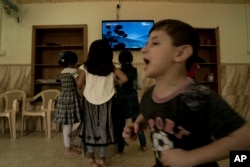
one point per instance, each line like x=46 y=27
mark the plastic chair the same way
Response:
x=11 y=100
x=45 y=110
x=51 y=108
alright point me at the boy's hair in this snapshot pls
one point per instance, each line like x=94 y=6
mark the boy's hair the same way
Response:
x=100 y=58
x=67 y=58
x=125 y=56
x=181 y=34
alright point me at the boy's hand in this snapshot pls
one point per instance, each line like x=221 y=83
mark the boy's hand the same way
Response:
x=130 y=131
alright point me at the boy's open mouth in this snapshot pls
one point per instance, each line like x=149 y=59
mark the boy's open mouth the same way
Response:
x=146 y=61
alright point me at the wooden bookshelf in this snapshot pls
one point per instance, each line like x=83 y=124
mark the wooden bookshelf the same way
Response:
x=47 y=43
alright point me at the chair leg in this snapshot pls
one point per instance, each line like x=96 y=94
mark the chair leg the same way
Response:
x=41 y=123
x=22 y=125
x=48 y=118
x=2 y=124
x=13 y=121
x=10 y=127
x=45 y=126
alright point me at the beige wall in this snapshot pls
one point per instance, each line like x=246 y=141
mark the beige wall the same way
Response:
x=231 y=19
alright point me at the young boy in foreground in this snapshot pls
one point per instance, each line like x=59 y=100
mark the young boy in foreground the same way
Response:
x=189 y=124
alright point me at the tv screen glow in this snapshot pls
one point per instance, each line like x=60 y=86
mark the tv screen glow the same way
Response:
x=126 y=34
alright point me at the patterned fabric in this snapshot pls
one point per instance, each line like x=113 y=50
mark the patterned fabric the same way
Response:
x=68 y=103
x=98 y=128
x=188 y=120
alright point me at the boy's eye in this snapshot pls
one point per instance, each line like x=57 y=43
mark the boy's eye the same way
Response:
x=153 y=43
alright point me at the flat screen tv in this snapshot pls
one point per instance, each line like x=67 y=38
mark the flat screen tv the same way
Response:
x=126 y=34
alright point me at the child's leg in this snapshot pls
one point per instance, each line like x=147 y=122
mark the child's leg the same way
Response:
x=142 y=138
x=91 y=156
x=67 y=141
x=102 y=153
x=119 y=129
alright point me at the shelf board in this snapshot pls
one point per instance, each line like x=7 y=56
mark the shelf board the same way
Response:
x=53 y=65
x=47 y=82
x=207 y=46
x=208 y=82
x=59 y=46
x=48 y=65
x=208 y=63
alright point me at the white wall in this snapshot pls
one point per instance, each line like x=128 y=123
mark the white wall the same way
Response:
x=231 y=19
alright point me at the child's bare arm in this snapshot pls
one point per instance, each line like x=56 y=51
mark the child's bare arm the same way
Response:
x=218 y=150
x=80 y=82
x=121 y=77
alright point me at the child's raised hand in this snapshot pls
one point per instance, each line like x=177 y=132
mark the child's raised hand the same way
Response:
x=130 y=131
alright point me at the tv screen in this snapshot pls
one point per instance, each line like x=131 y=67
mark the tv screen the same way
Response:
x=126 y=34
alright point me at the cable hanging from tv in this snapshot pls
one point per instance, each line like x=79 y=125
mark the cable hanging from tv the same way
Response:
x=118 y=8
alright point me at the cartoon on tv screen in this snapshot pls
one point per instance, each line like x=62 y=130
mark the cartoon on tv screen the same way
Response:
x=126 y=34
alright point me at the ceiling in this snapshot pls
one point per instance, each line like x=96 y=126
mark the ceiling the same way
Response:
x=175 y=1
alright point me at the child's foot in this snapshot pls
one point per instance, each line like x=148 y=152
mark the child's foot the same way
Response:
x=92 y=163
x=77 y=148
x=144 y=148
x=102 y=163
x=71 y=151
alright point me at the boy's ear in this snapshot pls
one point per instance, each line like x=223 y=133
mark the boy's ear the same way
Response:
x=183 y=53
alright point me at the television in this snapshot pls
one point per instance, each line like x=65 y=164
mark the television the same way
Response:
x=126 y=34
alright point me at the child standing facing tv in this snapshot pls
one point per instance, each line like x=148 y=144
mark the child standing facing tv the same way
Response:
x=98 y=76
x=127 y=103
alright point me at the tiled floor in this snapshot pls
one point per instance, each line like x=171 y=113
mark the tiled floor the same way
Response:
x=33 y=150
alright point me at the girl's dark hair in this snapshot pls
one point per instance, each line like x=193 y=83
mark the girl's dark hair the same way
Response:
x=181 y=34
x=100 y=56
x=125 y=56
x=67 y=58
